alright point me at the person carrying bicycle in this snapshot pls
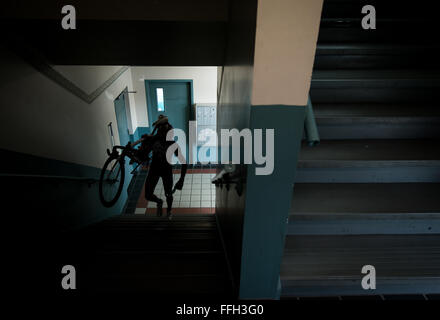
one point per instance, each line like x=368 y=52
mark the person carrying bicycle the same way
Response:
x=160 y=166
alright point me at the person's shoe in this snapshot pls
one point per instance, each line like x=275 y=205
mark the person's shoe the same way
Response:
x=159 y=208
x=169 y=215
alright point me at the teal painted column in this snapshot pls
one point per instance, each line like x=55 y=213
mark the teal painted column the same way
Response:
x=268 y=201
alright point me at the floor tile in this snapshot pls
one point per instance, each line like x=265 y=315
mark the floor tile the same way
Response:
x=140 y=210
x=206 y=204
x=197 y=195
x=185 y=198
x=184 y=204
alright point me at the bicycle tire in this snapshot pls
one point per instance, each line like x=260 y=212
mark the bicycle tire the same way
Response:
x=109 y=203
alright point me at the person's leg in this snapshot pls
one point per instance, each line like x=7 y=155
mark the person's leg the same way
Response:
x=150 y=185
x=167 y=179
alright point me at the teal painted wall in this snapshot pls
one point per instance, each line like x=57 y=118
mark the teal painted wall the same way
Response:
x=268 y=202
x=55 y=204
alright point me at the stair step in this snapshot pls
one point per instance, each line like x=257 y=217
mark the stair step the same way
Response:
x=391 y=9
x=377 y=121
x=154 y=264
x=365 y=208
x=153 y=243
x=152 y=225
x=375 y=110
x=345 y=255
x=169 y=287
x=375 y=56
x=375 y=86
x=178 y=217
x=375 y=78
x=370 y=198
x=403 y=263
x=370 y=161
x=373 y=49
x=345 y=30
x=381 y=127
x=370 y=150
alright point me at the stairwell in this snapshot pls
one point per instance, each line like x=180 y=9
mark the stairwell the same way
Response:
x=369 y=194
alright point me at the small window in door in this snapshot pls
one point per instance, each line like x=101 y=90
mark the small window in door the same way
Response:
x=160 y=101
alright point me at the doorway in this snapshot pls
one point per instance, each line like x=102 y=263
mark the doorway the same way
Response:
x=172 y=98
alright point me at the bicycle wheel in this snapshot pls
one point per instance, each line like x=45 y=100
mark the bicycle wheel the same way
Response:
x=111 y=181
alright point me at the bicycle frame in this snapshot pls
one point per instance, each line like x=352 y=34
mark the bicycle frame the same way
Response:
x=125 y=152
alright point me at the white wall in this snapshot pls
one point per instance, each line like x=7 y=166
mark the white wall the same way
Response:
x=88 y=78
x=41 y=118
x=204 y=82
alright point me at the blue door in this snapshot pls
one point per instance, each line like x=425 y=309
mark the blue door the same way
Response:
x=121 y=119
x=170 y=98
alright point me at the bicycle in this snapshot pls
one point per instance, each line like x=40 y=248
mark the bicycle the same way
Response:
x=112 y=176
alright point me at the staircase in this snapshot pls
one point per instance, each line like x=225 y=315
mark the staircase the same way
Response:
x=369 y=194
x=152 y=256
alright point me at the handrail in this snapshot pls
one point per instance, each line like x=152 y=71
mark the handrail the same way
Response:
x=88 y=180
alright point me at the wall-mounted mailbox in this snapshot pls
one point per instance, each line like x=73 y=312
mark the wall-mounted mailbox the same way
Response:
x=206 y=117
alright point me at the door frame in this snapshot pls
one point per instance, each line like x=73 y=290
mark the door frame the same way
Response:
x=149 y=101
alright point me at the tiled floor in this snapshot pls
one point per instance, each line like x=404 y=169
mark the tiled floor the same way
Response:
x=197 y=195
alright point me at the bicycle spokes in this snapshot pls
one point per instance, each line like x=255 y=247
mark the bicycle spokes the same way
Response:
x=113 y=174
x=110 y=184
x=112 y=177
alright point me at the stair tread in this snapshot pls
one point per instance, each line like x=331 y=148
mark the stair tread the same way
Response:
x=366 y=75
x=343 y=256
x=330 y=152
x=176 y=217
x=372 y=198
x=361 y=110
x=372 y=48
x=167 y=285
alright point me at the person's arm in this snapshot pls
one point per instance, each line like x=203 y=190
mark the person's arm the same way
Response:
x=136 y=142
x=145 y=136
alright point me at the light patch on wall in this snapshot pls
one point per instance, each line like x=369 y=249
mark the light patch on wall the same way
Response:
x=109 y=95
x=160 y=100
x=285 y=43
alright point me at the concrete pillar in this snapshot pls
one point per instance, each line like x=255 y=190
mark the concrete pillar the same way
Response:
x=286 y=36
